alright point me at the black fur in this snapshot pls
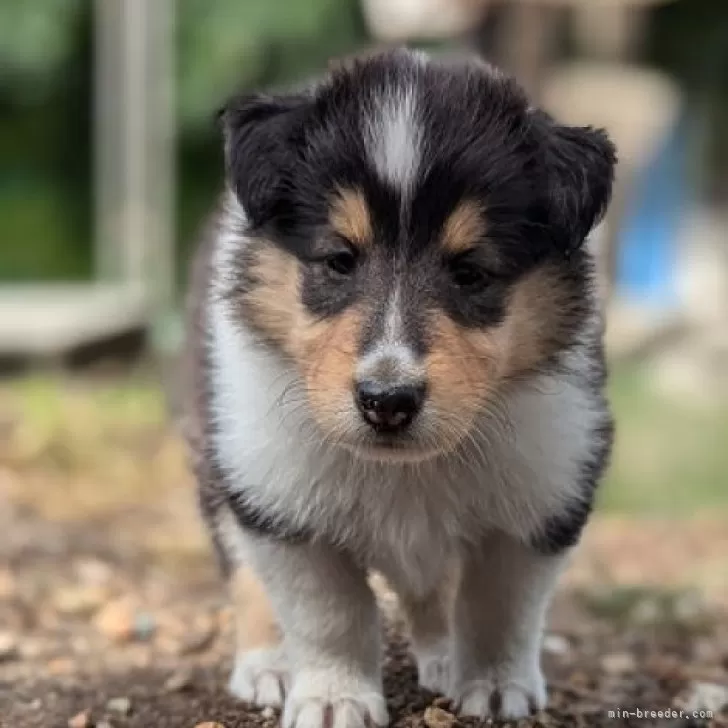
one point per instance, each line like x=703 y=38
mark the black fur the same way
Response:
x=214 y=493
x=542 y=185
x=563 y=532
x=580 y=164
x=260 y=136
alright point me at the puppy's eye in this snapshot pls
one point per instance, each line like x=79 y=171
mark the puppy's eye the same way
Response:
x=466 y=274
x=343 y=263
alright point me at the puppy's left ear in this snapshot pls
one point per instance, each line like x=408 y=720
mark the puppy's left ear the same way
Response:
x=261 y=140
x=580 y=164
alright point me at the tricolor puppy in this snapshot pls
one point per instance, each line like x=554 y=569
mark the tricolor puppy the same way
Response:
x=398 y=367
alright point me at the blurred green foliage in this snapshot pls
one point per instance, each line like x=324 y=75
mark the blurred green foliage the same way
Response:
x=45 y=139
x=689 y=39
x=37 y=37
x=231 y=44
x=221 y=45
x=677 y=468
x=46 y=52
x=669 y=453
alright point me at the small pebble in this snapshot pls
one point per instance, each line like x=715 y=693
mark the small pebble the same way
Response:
x=8 y=647
x=80 y=720
x=116 y=621
x=121 y=622
x=178 y=682
x=438 y=718
x=555 y=644
x=79 y=600
x=122 y=706
x=93 y=571
x=209 y=724
x=144 y=626
x=268 y=712
x=618 y=663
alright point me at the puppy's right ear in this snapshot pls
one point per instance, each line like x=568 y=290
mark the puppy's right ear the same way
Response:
x=579 y=163
x=260 y=134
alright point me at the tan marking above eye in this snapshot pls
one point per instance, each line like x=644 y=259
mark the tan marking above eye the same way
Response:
x=349 y=216
x=463 y=228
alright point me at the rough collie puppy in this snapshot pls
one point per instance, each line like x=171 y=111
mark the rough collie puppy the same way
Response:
x=398 y=366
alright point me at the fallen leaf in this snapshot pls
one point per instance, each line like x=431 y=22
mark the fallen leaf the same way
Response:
x=438 y=718
x=80 y=720
x=116 y=620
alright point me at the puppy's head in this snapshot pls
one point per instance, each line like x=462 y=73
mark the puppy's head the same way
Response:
x=412 y=242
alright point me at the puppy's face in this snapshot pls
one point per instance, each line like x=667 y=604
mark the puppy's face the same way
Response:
x=411 y=243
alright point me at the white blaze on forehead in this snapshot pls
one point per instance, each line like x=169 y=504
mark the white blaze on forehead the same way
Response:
x=390 y=355
x=392 y=333
x=393 y=137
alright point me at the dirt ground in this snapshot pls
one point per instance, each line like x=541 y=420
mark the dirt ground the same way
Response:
x=98 y=631
x=112 y=613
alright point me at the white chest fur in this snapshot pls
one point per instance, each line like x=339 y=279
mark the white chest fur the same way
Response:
x=522 y=467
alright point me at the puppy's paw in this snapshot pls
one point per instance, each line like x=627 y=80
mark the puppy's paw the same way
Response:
x=325 y=700
x=260 y=677
x=433 y=667
x=492 y=697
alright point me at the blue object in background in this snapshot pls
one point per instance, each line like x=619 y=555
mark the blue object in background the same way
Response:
x=647 y=258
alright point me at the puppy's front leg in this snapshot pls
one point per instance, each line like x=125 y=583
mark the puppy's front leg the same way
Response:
x=428 y=618
x=499 y=617
x=331 y=635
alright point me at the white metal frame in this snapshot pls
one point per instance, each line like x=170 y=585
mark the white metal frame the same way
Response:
x=134 y=177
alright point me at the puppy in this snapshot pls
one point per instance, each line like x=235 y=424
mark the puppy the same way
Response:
x=397 y=366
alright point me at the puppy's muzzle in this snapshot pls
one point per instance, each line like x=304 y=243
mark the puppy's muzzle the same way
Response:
x=388 y=408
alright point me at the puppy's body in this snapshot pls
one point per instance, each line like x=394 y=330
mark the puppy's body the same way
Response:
x=397 y=356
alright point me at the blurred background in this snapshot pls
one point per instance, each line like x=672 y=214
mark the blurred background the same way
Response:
x=109 y=161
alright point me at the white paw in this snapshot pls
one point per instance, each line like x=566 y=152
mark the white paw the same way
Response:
x=323 y=700
x=500 y=698
x=260 y=677
x=433 y=668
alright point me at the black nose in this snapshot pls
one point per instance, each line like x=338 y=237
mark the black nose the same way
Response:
x=389 y=409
